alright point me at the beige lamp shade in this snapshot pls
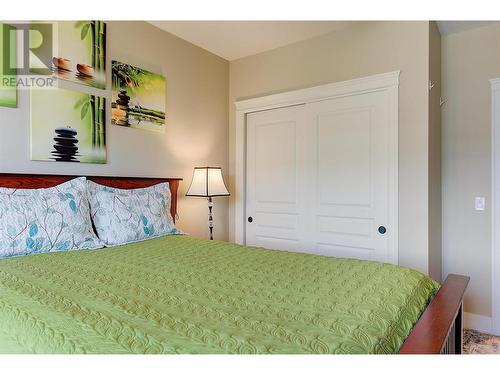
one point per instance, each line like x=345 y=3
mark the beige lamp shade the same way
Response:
x=207 y=182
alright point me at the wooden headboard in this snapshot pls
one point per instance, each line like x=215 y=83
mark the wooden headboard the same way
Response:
x=36 y=181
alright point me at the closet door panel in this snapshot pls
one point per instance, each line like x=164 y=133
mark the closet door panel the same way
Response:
x=275 y=162
x=348 y=158
x=344 y=158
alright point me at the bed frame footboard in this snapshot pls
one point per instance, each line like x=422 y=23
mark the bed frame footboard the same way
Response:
x=439 y=329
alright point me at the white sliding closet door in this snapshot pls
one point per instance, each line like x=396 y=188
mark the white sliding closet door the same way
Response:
x=349 y=169
x=275 y=179
x=321 y=178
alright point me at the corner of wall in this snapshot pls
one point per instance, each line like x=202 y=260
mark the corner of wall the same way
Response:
x=434 y=153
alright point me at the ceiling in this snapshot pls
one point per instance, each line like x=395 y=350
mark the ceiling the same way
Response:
x=233 y=40
x=450 y=27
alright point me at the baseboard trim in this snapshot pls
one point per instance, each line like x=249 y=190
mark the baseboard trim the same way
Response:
x=480 y=323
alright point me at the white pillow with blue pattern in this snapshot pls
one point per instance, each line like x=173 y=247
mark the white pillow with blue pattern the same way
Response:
x=34 y=221
x=124 y=216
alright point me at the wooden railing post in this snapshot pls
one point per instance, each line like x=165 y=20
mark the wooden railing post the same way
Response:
x=459 y=332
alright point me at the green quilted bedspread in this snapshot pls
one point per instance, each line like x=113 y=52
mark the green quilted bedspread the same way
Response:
x=179 y=294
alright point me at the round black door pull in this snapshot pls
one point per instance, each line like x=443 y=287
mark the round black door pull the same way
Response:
x=250 y=219
x=382 y=229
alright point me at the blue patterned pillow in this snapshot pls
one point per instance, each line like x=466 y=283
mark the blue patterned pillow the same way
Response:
x=129 y=215
x=46 y=220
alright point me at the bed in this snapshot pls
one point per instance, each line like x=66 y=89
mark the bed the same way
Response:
x=179 y=294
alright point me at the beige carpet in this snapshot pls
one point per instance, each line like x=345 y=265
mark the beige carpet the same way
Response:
x=480 y=343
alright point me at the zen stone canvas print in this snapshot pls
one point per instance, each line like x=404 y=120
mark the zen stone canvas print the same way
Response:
x=67 y=126
x=138 y=98
x=8 y=92
x=78 y=52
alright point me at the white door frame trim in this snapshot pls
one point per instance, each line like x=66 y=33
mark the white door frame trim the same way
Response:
x=380 y=82
x=495 y=205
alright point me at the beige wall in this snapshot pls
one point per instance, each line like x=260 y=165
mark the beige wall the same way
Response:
x=435 y=209
x=364 y=49
x=470 y=59
x=197 y=121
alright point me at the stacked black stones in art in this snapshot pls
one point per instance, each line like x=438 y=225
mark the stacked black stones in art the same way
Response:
x=121 y=114
x=65 y=146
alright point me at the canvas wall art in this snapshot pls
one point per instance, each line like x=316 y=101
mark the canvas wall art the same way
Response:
x=8 y=91
x=67 y=126
x=79 y=49
x=138 y=98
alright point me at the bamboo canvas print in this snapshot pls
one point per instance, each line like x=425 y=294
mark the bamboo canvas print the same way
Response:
x=67 y=126
x=79 y=52
x=138 y=98
x=8 y=91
